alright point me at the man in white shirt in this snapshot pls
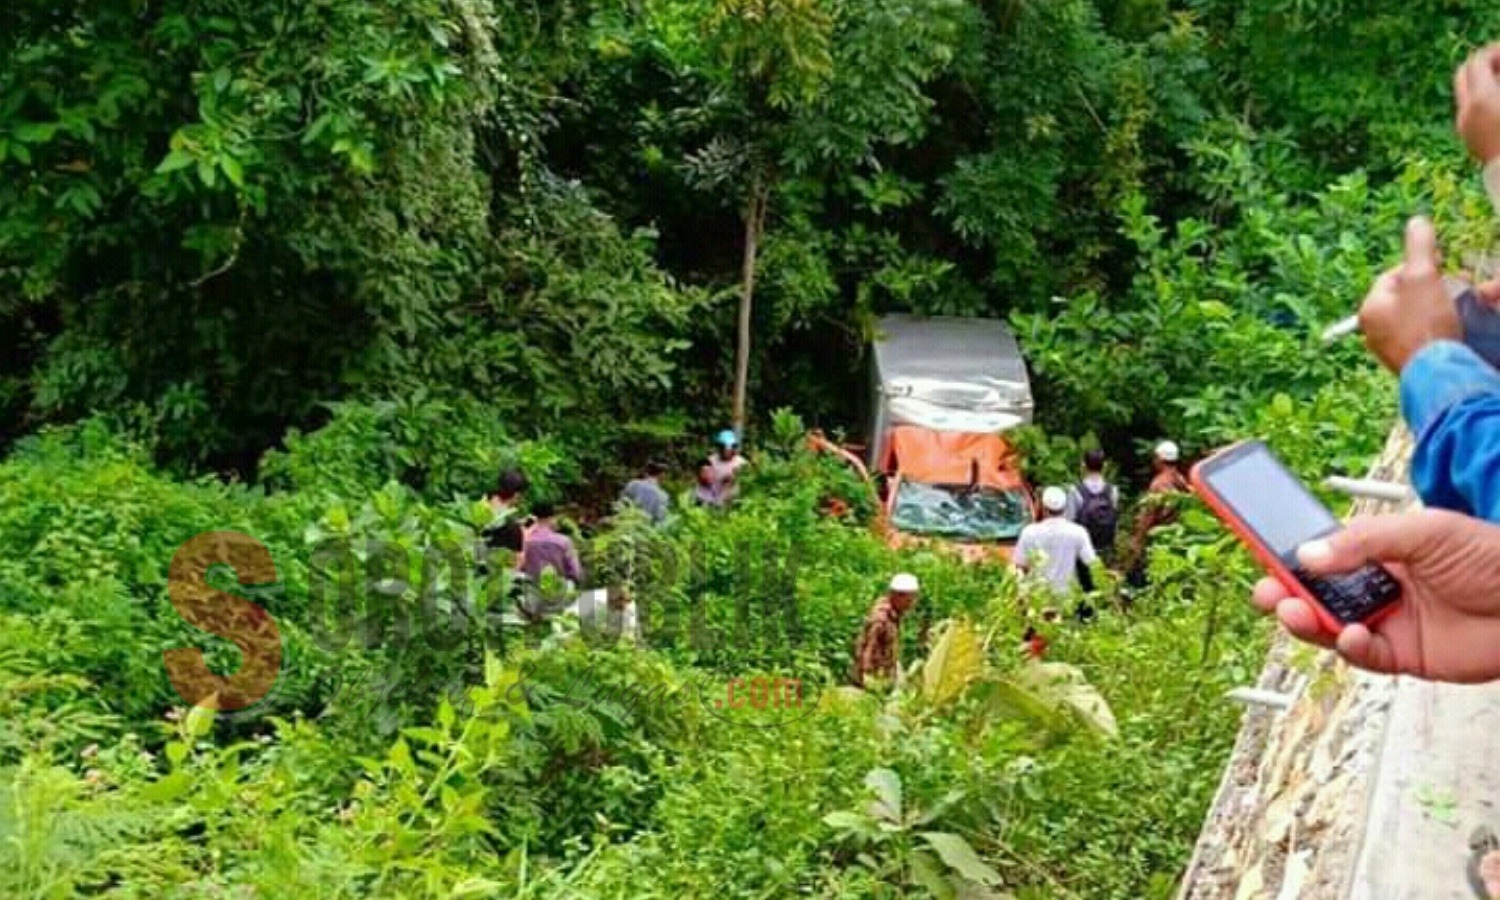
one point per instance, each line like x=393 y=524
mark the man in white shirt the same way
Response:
x=1054 y=547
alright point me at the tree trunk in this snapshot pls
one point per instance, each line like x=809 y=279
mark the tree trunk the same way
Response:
x=755 y=221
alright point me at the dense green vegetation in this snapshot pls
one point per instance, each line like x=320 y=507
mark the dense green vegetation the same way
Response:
x=316 y=272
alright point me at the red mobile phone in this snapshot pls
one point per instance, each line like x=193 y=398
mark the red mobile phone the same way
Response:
x=1273 y=514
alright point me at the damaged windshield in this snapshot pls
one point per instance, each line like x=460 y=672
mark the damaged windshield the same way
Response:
x=982 y=514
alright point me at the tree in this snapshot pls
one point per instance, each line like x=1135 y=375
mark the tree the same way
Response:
x=803 y=90
x=222 y=212
x=774 y=57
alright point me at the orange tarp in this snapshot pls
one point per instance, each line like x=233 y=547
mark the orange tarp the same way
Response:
x=948 y=458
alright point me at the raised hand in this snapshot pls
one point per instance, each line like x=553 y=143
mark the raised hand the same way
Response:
x=1409 y=306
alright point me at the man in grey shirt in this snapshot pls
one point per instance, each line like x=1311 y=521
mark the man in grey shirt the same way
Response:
x=647 y=493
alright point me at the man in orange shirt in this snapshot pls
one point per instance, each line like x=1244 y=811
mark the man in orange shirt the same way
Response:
x=879 y=650
x=1158 y=507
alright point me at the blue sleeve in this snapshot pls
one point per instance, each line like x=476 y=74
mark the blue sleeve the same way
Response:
x=1451 y=399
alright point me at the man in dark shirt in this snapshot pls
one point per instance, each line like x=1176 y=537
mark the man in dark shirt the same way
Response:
x=508 y=532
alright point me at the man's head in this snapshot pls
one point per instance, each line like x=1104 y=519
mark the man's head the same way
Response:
x=544 y=511
x=903 y=591
x=1054 y=501
x=655 y=470
x=1167 y=455
x=728 y=443
x=1093 y=462
x=511 y=484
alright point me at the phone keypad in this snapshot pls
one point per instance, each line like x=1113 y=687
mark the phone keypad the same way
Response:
x=1353 y=597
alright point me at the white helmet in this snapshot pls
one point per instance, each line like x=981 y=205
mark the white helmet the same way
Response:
x=905 y=583
x=1054 y=499
x=1167 y=451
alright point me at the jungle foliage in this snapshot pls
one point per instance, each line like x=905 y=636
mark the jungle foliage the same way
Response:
x=315 y=272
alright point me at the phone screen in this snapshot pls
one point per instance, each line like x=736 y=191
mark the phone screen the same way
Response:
x=1270 y=500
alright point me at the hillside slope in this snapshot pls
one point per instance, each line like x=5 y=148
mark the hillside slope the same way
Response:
x=1366 y=787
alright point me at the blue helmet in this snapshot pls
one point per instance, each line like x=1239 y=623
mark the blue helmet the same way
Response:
x=727 y=438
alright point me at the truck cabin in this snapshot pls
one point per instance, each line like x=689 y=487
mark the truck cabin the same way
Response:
x=946 y=391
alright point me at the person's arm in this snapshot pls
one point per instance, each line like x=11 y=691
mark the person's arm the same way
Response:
x=1086 y=558
x=864 y=656
x=1019 y=555
x=1086 y=552
x=1450 y=398
x=1085 y=576
x=574 y=568
x=1476 y=94
x=1075 y=503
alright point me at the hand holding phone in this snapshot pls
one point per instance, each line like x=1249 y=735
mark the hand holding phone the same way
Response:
x=1265 y=505
x=1447 y=625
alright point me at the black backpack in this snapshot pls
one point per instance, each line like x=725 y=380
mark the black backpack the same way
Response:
x=1099 y=514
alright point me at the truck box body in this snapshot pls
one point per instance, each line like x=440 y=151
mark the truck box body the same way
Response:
x=947 y=374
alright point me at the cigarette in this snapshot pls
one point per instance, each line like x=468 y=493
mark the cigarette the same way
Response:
x=1370 y=489
x=1341 y=329
x=1345 y=327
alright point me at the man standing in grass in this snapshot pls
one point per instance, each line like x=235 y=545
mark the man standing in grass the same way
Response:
x=1158 y=507
x=1094 y=503
x=717 y=477
x=507 y=532
x=647 y=493
x=1054 y=548
x=547 y=548
x=879 y=651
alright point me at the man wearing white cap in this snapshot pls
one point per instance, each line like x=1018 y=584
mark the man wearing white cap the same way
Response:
x=1054 y=547
x=879 y=651
x=1158 y=507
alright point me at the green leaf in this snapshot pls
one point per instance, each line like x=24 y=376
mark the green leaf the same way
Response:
x=399 y=756
x=207 y=173
x=955 y=661
x=175 y=161
x=232 y=171
x=925 y=871
x=1066 y=685
x=845 y=820
x=472 y=886
x=316 y=129
x=199 y=721
x=429 y=736
x=961 y=858
x=168 y=788
x=887 y=787
x=35 y=132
